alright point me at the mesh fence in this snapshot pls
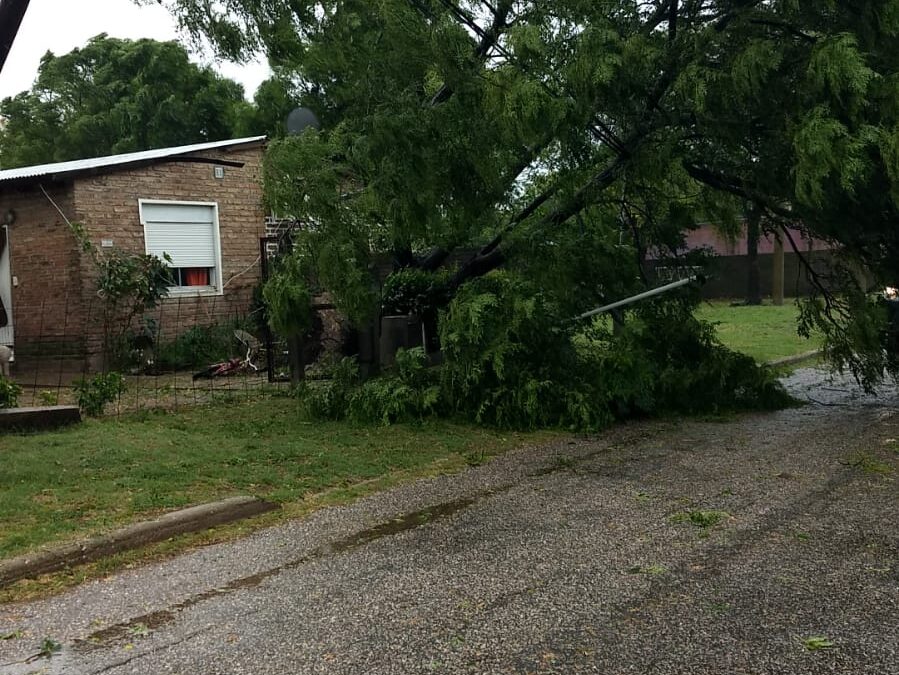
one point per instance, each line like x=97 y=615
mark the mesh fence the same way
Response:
x=186 y=352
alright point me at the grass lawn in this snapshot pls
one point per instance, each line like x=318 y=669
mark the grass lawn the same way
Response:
x=764 y=332
x=70 y=484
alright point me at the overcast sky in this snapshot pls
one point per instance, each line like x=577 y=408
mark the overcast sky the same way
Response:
x=61 y=25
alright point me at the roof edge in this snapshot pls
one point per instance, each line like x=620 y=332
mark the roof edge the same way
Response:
x=57 y=170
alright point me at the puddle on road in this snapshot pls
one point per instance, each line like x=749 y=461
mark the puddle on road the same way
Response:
x=127 y=630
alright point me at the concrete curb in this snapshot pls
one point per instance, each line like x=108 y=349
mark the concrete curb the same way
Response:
x=39 y=419
x=192 y=519
x=797 y=358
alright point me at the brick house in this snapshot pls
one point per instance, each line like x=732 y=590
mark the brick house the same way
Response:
x=200 y=204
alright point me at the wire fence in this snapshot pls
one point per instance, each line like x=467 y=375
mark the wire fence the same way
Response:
x=188 y=351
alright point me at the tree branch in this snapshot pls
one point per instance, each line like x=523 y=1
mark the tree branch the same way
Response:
x=489 y=38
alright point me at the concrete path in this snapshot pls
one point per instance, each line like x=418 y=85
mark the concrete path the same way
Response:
x=586 y=557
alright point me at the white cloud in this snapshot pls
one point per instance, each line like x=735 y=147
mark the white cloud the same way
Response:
x=62 y=25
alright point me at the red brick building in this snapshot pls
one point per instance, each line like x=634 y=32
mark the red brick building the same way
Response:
x=200 y=204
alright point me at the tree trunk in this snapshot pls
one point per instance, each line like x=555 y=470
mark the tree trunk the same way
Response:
x=753 y=285
x=295 y=358
x=777 y=281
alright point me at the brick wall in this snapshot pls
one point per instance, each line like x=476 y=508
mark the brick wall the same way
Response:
x=45 y=263
x=55 y=303
x=108 y=205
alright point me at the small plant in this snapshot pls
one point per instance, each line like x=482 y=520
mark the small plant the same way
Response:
x=139 y=630
x=9 y=393
x=49 y=647
x=700 y=519
x=870 y=465
x=13 y=635
x=96 y=393
x=49 y=398
x=816 y=642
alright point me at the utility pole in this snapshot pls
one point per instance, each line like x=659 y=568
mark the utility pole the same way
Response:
x=11 y=14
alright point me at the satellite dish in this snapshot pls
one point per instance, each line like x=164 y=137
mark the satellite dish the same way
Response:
x=301 y=119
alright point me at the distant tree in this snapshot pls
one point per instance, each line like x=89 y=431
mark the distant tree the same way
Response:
x=115 y=96
x=272 y=103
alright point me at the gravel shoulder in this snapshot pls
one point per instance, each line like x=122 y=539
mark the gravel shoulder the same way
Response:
x=660 y=547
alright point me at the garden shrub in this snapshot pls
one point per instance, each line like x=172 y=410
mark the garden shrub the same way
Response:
x=94 y=394
x=9 y=393
x=410 y=393
x=200 y=346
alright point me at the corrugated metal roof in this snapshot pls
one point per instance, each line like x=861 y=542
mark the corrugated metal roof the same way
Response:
x=95 y=163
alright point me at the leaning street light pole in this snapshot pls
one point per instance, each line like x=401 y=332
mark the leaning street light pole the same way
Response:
x=11 y=14
x=637 y=298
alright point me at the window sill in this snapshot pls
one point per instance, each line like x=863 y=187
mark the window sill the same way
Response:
x=194 y=292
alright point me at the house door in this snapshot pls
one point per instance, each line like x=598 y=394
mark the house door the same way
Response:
x=6 y=327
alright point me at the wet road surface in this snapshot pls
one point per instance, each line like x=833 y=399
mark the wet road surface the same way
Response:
x=666 y=547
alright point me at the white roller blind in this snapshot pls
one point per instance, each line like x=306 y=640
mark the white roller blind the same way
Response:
x=186 y=232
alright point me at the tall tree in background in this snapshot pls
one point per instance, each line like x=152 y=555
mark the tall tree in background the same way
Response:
x=273 y=101
x=115 y=96
x=542 y=129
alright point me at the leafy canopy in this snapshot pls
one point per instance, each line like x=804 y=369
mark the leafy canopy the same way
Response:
x=113 y=96
x=599 y=129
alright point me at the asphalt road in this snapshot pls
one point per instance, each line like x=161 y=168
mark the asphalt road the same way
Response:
x=666 y=547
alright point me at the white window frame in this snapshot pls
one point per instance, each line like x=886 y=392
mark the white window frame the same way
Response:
x=218 y=287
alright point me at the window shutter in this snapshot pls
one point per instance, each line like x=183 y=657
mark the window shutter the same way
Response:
x=186 y=232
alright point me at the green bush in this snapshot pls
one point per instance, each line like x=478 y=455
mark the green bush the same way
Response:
x=9 y=393
x=199 y=346
x=94 y=394
x=409 y=394
x=329 y=399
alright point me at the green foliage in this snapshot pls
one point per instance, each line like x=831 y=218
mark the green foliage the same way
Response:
x=129 y=284
x=49 y=398
x=699 y=518
x=689 y=371
x=95 y=393
x=862 y=340
x=113 y=96
x=815 y=643
x=9 y=393
x=409 y=394
x=414 y=291
x=288 y=299
x=512 y=361
x=555 y=125
x=330 y=398
x=199 y=346
x=137 y=282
